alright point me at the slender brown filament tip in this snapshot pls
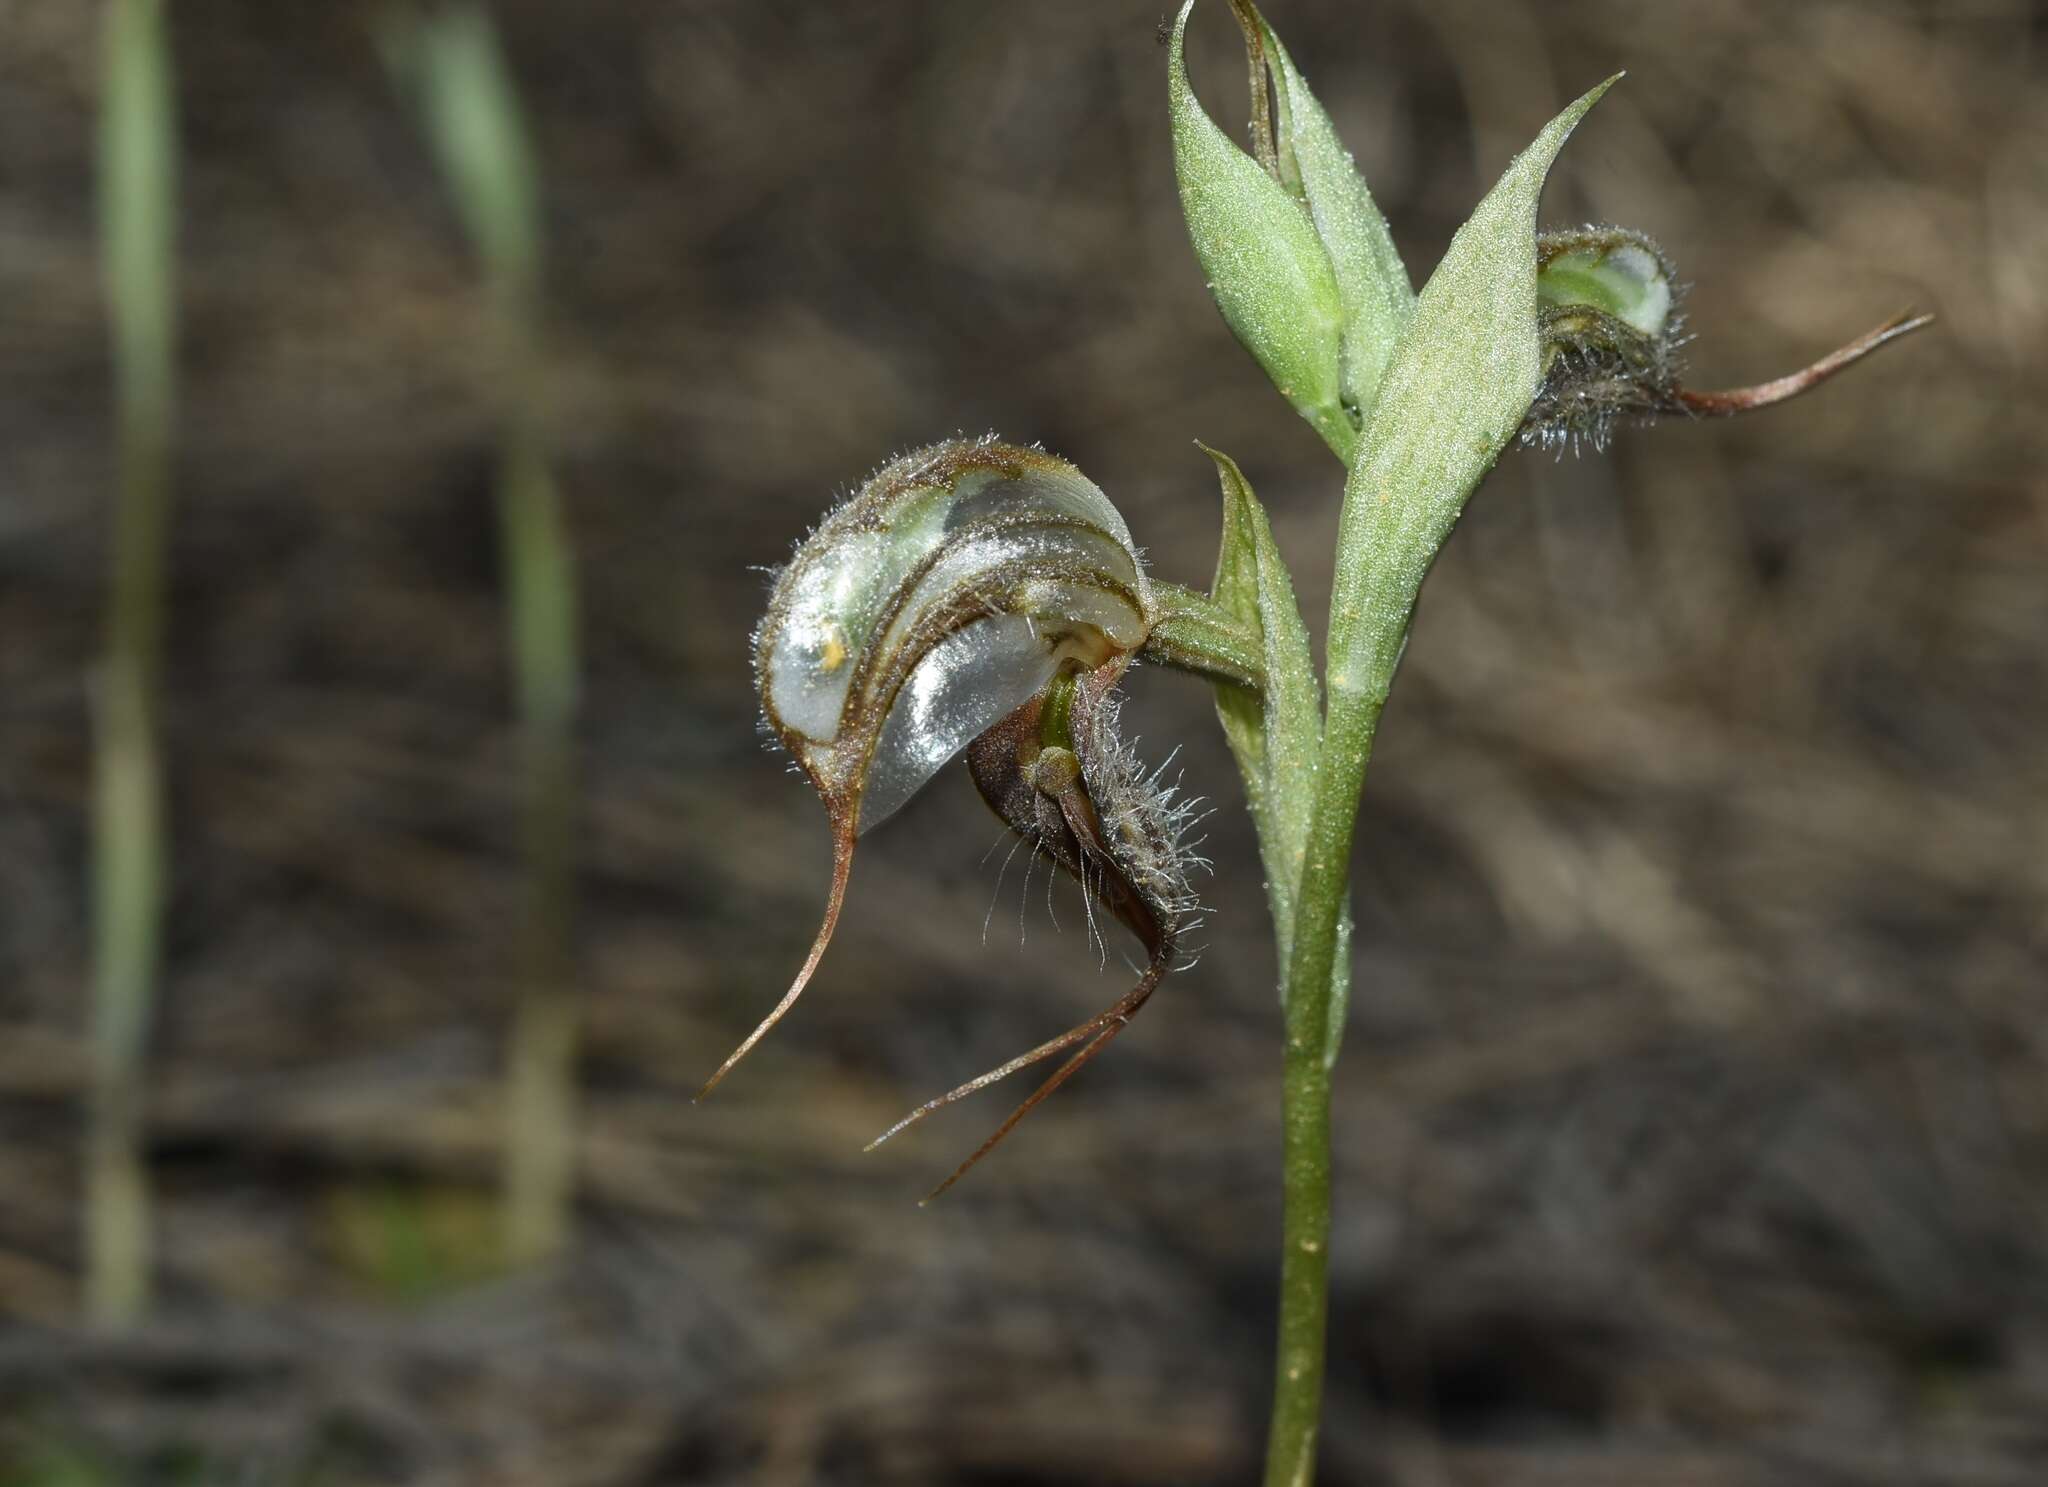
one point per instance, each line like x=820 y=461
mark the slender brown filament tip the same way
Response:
x=1059 y=1077
x=1735 y=400
x=1262 y=105
x=1045 y=1050
x=1094 y=1035
x=842 y=865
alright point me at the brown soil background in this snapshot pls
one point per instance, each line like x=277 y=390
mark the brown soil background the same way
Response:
x=1693 y=1123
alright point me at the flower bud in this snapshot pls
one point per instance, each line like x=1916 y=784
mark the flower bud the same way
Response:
x=1607 y=313
x=1610 y=270
x=943 y=594
x=1605 y=309
x=1266 y=266
x=1298 y=258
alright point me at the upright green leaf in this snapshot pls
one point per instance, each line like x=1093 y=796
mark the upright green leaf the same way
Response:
x=470 y=105
x=456 y=69
x=1454 y=394
x=1266 y=268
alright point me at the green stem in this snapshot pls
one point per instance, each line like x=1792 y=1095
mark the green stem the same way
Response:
x=540 y=1094
x=1385 y=546
x=1305 y=1094
x=137 y=207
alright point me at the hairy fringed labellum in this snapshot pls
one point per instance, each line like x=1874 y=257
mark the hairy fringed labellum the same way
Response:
x=1059 y=776
x=1607 y=310
x=983 y=597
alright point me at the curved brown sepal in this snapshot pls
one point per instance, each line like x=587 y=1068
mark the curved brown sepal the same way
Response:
x=842 y=865
x=1730 y=401
x=1097 y=1030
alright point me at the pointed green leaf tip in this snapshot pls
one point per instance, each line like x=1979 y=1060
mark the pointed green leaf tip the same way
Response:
x=1454 y=394
x=1275 y=734
x=1266 y=267
x=1371 y=279
x=455 y=63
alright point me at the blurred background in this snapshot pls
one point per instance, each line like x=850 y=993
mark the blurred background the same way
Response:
x=1693 y=1119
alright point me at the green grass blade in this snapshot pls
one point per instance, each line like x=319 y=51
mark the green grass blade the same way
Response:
x=138 y=193
x=455 y=66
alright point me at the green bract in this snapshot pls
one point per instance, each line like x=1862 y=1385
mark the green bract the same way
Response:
x=1455 y=393
x=1276 y=734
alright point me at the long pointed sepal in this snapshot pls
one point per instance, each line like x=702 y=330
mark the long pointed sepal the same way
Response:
x=1730 y=401
x=842 y=866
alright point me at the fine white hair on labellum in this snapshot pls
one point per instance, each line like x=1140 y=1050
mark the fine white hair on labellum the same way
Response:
x=1075 y=793
x=947 y=599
